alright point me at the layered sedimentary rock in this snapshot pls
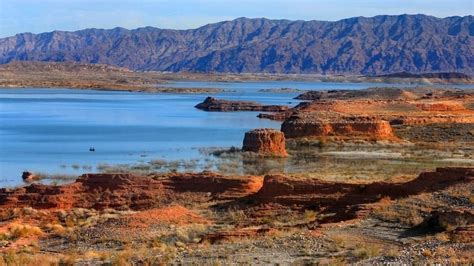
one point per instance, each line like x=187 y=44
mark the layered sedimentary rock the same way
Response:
x=444 y=106
x=369 y=114
x=217 y=185
x=345 y=199
x=386 y=93
x=314 y=125
x=126 y=191
x=267 y=142
x=218 y=105
x=98 y=191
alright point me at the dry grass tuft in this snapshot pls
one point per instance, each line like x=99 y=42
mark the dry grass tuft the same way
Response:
x=24 y=230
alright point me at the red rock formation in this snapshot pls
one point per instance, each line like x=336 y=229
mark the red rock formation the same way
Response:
x=123 y=191
x=344 y=126
x=267 y=142
x=441 y=106
x=222 y=187
x=368 y=114
x=345 y=199
x=432 y=119
x=98 y=191
x=216 y=105
x=385 y=93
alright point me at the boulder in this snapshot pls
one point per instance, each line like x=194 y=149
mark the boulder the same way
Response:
x=266 y=142
x=28 y=176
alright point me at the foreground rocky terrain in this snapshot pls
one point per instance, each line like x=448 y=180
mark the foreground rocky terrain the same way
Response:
x=207 y=217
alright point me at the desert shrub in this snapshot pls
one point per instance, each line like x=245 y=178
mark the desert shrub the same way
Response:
x=179 y=236
x=237 y=216
x=367 y=251
x=24 y=230
x=56 y=228
x=310 y=216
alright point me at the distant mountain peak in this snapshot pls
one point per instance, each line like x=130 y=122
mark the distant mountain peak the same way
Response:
x=360 y=45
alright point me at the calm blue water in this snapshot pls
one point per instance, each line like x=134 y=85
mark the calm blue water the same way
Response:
x=43 y=129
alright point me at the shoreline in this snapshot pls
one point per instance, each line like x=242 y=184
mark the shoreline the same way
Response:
x=104 y=77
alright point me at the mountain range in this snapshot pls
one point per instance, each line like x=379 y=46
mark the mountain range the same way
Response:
x=361 y=46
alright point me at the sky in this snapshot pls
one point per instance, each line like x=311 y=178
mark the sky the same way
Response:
x=18 y=16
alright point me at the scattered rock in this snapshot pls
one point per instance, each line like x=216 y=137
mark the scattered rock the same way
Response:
x=451 y=219
x=230 y=235
x=29 y=177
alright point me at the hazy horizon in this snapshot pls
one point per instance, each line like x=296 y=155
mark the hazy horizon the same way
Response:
x=44 y=16
x=214 y=22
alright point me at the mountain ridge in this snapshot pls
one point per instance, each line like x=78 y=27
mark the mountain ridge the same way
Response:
x=377 y=45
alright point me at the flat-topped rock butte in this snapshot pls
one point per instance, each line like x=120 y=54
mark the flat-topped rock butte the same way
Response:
x=370 y=113
x=266 y=142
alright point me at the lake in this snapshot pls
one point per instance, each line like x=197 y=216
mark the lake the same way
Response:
x=51 y=130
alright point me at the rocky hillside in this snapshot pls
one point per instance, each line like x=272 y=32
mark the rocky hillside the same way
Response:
x=373 y=46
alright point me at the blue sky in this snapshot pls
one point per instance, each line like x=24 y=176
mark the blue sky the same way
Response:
x=36 y=16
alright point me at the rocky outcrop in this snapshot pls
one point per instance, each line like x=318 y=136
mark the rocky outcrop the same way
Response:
x=374 y=93
x=29 y=177
x=317 y=125
x=97 y=191
x=433 y=119
x=459 y=223
x=342 y=200
x=266 y=142
x=345 y=200
x=441 y=106
x=127 y=191
x=216 y=105
x=370 y=113
x=385 y=93
x=218 y=186
x=232 y=235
